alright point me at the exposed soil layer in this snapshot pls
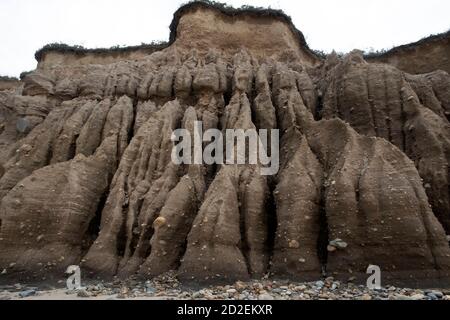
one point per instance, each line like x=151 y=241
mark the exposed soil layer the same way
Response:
x=427 y=55
x=86 y=175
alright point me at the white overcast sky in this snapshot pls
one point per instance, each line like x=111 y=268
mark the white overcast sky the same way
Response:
x=27 y=25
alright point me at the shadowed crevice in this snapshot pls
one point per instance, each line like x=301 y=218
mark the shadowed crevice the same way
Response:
x=272 y=223
x=94 y=225
x=323 y=237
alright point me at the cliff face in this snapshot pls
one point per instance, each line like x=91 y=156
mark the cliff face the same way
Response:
x=86 y=175
x=425 y=56
x=8 y=83
x=264 y=36
x=201 y=26
x=87 y=57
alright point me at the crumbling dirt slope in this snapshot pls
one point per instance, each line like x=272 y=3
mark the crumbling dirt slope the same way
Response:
x=86 y=175
x=427 y=55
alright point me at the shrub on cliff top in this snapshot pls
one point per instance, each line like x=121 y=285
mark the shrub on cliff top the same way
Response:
x=65 y=48
x=158 y=45
x=430 y=38
x=7 y=78
x=231 y=11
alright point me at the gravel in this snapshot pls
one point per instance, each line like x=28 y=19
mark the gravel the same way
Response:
x=167 y=287
x=27 y=293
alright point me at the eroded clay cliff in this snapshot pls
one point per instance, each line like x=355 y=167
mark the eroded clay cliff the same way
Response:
x=427 y=55
x=86 y=175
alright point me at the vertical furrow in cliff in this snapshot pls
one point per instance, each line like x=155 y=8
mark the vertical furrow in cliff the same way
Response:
x=386 y=106
x=319 y=108
x=94 y=225
x=119 y=213
x=144 y=210
x=243 y=225
x=264 y=117
x=370 y=99
x=323 y=238
x=404 y=121
x=168 y=243
x=131 y=132
x=229 y=231
x=298 y=184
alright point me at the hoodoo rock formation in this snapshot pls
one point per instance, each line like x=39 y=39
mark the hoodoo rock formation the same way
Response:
x=86 y=175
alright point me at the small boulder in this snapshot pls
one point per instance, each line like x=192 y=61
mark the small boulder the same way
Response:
x=27 y=293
